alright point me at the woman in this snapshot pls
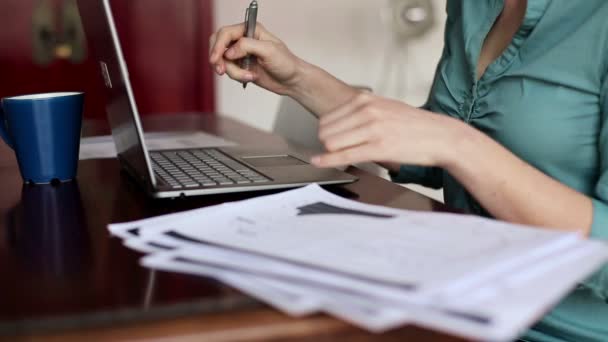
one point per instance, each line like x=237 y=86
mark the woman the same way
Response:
x=516 y=126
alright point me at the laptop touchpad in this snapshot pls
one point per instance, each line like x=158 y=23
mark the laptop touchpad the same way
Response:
x=273 y=161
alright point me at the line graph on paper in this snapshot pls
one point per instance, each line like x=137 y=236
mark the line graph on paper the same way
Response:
x=322 y=208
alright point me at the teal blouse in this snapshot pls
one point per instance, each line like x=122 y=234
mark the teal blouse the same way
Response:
x=546 y=100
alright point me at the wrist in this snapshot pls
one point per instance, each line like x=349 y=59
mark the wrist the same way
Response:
x=297 y=85
x=317 y=90
x=458 y=143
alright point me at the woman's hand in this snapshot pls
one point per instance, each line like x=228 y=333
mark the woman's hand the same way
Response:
x=276 y=69
x=372 y=128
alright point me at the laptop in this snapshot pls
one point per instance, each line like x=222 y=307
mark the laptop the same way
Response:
x=185 y=172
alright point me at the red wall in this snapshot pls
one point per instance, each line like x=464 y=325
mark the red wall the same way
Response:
x=165 y=42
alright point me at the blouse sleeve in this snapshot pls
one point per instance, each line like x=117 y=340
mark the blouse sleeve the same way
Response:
x=430 y=177
x=600 y=201
x=598 y=283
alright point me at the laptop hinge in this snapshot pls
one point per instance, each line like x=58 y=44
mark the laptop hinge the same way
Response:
x=140 y=179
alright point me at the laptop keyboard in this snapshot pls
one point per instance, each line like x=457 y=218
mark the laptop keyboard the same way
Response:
x=202 y=168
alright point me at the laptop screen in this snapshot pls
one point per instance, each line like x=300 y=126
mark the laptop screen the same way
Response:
x=123 y=116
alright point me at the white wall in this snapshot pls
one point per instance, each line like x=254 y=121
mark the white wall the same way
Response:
x=348 y=38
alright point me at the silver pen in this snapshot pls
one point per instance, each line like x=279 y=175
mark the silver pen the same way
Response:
x=251 y=19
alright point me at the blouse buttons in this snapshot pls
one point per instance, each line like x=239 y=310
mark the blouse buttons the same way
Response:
x=483 y=89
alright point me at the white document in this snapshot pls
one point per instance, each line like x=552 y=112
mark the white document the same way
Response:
x=132 y=229
x=502 y=309
x=291 y=303
x=523 y=301
x=375 y=267
x=293 y=299
x=102 y=147
x=266 y=290
x=413 y=250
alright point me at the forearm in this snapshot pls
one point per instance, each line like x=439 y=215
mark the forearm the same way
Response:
x=319 y=91
x=512 y=190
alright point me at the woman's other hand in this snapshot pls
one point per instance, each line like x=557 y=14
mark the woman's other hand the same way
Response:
x=375 y=129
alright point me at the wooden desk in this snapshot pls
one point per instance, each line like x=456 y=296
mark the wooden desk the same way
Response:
x=63 y=278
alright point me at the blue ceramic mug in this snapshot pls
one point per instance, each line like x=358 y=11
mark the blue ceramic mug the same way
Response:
x=44 y=131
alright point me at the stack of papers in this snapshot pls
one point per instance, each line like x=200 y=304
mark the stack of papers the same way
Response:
x=307 y=251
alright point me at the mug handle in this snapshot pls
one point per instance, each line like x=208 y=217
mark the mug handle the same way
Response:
x=3 y=129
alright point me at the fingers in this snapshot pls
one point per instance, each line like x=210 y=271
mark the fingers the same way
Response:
x=350 y=138
x=346 y=109
x=345 y=123
x=235 y=72
x=355 y=155
x=352 y=133
x=248 y=46
x=223 y=39
x=244 y=47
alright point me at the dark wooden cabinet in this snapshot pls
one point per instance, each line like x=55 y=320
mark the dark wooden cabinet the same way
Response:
x=165 y=43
